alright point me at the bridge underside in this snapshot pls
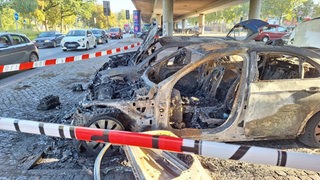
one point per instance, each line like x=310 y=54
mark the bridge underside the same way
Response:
x=182 y=8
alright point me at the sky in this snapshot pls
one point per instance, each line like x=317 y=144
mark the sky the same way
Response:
x=118 y=5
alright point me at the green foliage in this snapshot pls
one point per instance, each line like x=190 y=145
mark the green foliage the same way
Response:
x=24 y=7
x=317 y=11
x=7 y=19
x=286 y=9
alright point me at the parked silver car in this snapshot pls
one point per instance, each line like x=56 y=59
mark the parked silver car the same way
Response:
x=16 y=48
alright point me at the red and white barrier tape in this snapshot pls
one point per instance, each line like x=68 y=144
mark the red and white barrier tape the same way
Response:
x=249 y=154
x=49 y=62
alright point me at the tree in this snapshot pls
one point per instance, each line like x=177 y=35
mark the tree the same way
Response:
x=7 y=19
x=317 y=11
x=25 y=7
x=3 y=4
x=283 y=8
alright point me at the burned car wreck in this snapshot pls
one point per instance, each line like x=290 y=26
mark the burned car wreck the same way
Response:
x=221 y=91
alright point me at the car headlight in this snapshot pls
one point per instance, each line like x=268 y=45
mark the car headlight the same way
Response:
x=47 y=40
x=81 y=40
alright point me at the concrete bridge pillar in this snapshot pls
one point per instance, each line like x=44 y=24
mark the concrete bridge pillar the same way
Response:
x=254 y=9
x=167 y=11
x=201 y=19
x=159 y=20
x=183 y=23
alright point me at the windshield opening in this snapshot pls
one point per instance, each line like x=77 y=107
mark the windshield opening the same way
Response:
x=239 y=33
x=46 y=34
x=96 y=32
x=114 y=30
x=76 y=33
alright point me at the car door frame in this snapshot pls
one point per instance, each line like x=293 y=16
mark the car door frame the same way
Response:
x=6 y=53
x=20 y=51
x=280 y=108
x=228 y=131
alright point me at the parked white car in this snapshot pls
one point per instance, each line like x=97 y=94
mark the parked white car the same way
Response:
x=78 y=39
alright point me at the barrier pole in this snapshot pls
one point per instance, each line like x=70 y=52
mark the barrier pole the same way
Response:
x=251 y=154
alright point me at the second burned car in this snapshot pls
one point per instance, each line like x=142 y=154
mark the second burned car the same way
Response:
x=222 y=91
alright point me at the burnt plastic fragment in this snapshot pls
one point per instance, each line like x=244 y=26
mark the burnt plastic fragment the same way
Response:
x=77 y=88
x=49 y=102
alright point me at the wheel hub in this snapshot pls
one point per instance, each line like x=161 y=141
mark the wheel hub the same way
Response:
x=93 y=147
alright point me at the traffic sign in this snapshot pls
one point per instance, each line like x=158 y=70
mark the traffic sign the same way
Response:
x=127 y=14
x=106 y=8
x=16 y=16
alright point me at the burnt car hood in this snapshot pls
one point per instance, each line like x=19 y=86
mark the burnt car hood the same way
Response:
x=253 y=25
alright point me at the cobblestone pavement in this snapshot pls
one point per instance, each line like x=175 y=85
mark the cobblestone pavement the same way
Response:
x=19 y=152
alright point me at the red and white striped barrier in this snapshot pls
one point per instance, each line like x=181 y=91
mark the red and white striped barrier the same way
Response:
x=49 y=62
x=251 y=154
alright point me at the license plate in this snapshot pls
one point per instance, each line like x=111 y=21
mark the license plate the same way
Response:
x=71 y=45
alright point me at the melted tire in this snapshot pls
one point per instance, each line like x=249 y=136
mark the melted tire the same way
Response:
x=311 y=136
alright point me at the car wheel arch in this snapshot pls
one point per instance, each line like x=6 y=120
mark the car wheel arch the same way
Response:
x=304 y=136
x=33 y=53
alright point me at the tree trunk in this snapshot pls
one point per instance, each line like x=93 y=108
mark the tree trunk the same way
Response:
x=0 y=21
x=46 y=24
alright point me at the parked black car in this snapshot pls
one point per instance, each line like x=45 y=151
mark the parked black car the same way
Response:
x=16 y=48
x=49 y=39
x=101 y=36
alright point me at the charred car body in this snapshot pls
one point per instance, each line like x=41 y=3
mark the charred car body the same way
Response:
x=222 y=91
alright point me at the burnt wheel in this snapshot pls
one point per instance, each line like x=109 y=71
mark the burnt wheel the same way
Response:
x=311 y=136
x=92 y=148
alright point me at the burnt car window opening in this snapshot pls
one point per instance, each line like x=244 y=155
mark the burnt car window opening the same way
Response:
x=284 y=66
x=239 y=33
x=168 y=66
x=208 y=92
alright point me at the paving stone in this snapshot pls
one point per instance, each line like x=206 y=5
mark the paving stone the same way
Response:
x=281 y=173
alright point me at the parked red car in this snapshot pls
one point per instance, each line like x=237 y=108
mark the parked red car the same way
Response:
x=115 y=33
x=271 y=32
